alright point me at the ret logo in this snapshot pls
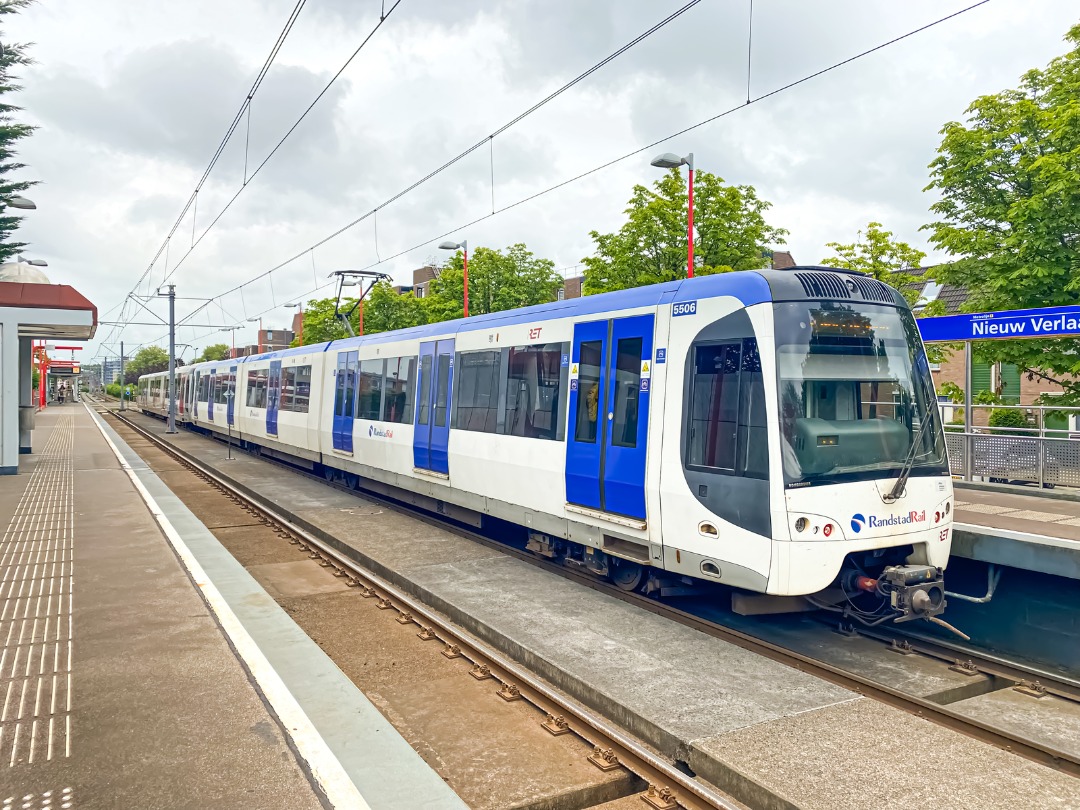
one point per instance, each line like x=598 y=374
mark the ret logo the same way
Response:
x=857 y=522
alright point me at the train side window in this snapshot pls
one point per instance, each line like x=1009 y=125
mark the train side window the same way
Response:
x=301 y=388
x=425 y=389
x=588 y=403
x=256 y=388
x=728 y=431
x=443 y=391
x=369 y=404
x=714 y=401
x=624 y=426
x=536 y=391
x=398 y=389
x=476 y=401
x=288 y=385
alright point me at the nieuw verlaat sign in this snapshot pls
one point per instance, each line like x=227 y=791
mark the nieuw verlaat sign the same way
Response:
x=1049 y=322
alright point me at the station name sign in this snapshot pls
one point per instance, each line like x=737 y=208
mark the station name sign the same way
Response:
x=1050 y=322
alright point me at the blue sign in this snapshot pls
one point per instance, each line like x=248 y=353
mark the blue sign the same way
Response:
x=661 y=356
x=1050 y=322
x=573 y=385
x=684 y=308
x=644 y=383
x=566 y=360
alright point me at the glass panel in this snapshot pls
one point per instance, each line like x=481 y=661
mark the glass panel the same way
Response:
x=477 y=404
x=397 y=397
x=714 y=406
x=591 y=359
x=369 y=405
x=339 y=387
x=627 y=390
x=349 y=394
x=856 y=399
x=288 y=385
x=425 y=389
x=301 y=388
x=534 y=391
x=442 y=393
x=753 y=426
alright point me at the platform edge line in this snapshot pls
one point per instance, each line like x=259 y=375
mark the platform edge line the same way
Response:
x=325 y=767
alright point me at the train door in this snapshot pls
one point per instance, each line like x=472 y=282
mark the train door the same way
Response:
x=230 y=409
x=273 y=397
x=431 y=439
x=211 y=388
x=609 y=415
x=345 y=400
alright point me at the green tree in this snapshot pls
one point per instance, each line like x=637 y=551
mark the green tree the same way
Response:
x=320 y=325
x=1009 y=180
x=12 y=56
x=498 y=280
x=385 y=309
x=730 y=234
x=216 y=351
x=148 y=360
x=879 y=255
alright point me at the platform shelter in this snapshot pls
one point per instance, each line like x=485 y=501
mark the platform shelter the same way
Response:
x=31 y=310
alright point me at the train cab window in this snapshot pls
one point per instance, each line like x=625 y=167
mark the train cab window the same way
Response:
x=727 y=430
x=476 y=401
x=536 y=391
x=624 y=425
x=256 y=388
x=588 y=403
x=425 y=389
x=398 y=389
x=369 y=404
x=442 y=392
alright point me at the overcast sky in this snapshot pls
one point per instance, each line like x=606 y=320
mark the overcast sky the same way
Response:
x=132 y=99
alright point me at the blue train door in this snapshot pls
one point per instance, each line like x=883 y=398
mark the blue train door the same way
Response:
x=431 y=439
x=210 y=396
x=345 y=400
x=610 y=373
x=230 y=409
x=273 y=397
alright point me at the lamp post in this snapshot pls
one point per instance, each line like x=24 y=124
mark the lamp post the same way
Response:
x=18 y=202
x=300 y=305
x=464 y=245
x=232 y=330
x=259 y=319
x=669 y=160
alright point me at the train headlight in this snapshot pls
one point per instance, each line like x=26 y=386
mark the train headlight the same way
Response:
x=801 y=524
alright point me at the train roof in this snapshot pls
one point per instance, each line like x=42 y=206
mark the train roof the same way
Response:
x=748 y=286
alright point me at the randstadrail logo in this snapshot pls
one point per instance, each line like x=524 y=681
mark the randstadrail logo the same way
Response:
x=859 y=522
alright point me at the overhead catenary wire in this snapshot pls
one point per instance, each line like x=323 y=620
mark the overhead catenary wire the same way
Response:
x=607 y=164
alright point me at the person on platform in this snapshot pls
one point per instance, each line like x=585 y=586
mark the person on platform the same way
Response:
x=61 y=391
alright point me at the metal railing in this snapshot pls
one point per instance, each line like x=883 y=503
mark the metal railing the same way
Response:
x=1036 y=454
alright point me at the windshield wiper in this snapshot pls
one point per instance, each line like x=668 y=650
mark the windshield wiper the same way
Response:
x=905 y=471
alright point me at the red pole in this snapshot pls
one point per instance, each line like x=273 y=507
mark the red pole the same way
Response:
x=690 y=227
x=301 y=335
x=466 y=282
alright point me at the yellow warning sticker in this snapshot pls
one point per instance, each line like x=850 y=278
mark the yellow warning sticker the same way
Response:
x=645 y=367
x=573 y=369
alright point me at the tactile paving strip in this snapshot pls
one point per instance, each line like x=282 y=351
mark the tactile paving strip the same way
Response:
x=35 y=614
x=49 y=800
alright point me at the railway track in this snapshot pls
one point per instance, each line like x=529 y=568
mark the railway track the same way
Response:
x=655 y=770
x=668 y=787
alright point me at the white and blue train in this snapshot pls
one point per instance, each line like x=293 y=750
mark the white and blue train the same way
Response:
x=773 y=431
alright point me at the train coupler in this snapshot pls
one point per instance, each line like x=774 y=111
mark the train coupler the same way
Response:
x=914 y=591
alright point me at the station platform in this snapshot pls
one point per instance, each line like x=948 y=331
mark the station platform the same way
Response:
x=773 y=736
x=141 y=666
x=1029 y=531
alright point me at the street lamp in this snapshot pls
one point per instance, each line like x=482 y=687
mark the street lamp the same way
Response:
x=19 y=202
x=464 y=245
x=259 y=319
x=232 y=354
x=294 y=305
x=669 y=160
x=33 y=262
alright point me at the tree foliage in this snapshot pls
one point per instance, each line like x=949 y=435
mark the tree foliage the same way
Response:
x=498 y=280
x=730 y=234
x=148 y=360
x=385 y=309
x=216 y=351
x=12 y=56
x=879 y=255
x=320 y=325
x=1009 y=180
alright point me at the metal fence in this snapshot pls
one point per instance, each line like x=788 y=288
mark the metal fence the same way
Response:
x=1038 y=454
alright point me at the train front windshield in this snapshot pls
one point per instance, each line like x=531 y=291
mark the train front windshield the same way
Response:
x=855 y=393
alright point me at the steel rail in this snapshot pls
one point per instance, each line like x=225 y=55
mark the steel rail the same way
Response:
x=1035 y=750
x=612 y=745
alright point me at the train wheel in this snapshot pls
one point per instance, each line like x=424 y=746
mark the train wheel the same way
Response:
x=626 y=575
